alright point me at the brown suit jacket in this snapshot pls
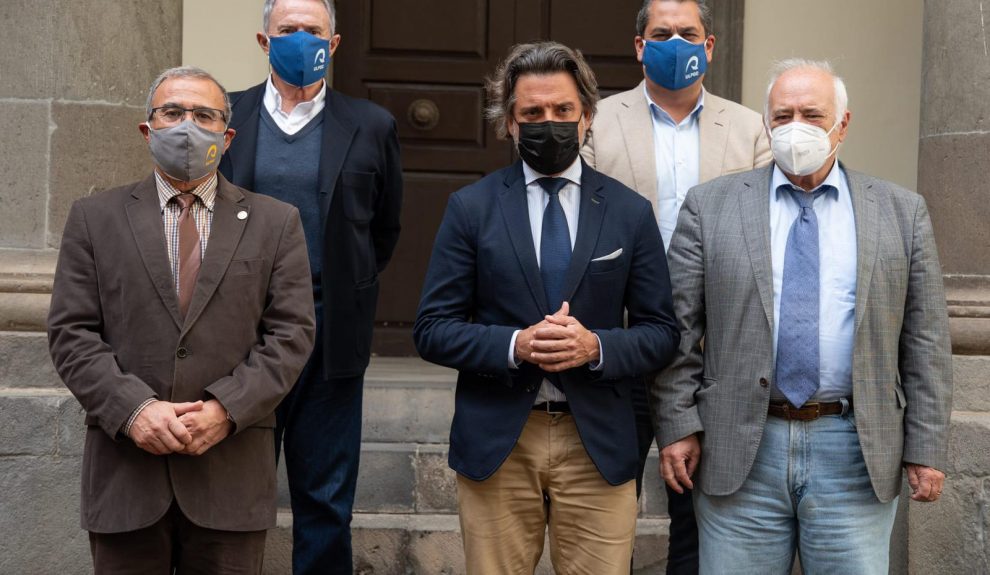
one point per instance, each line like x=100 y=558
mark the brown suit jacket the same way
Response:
x=620 y=143
x=116 y=339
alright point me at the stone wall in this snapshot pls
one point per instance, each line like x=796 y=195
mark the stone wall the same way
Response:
x=73 y=82
x=954 y=159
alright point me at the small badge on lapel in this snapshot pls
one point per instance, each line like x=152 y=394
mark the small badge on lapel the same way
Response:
x=242 y=215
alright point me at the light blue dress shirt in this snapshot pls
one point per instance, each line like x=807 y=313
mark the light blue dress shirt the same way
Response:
x=677 y=153
x=837 y=293
x=536 y=201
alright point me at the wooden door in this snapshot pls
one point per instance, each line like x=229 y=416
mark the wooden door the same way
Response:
x=425 y=61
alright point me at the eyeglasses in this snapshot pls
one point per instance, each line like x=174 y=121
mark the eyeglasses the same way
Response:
x=172 y=115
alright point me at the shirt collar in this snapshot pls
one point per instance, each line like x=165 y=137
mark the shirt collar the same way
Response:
x=571 y=174
x=273 y=99
x=657 y=111
x=780 y=183
x=207 y=191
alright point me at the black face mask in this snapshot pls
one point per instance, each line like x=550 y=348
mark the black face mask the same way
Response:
x=548 y=147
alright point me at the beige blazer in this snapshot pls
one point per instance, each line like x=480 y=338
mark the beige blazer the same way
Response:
x=621 y=140
x=720 y=271
x=117 y=338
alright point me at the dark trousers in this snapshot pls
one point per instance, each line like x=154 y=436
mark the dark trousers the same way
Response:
x=682 y=549
x=173 y=544
x=319 y=428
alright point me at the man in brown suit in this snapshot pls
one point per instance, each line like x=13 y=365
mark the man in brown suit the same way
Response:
x=181 y=315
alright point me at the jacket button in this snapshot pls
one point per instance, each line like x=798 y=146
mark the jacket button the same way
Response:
x=530 y=389
x=181 y=353
x=764 y=382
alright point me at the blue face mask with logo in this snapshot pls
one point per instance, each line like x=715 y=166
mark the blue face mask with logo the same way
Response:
x=675 y=63
x=299 y=58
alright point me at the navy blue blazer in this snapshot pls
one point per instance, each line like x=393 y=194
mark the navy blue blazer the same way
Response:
x=360 y=199
x=483 y=283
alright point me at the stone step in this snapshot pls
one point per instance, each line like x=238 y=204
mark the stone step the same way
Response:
x=417 y=544
x=415 y=478
x=410 y=400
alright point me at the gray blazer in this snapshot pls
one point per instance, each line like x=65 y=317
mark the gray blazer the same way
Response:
x=721 y=278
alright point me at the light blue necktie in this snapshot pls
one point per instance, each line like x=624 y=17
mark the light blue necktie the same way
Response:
x=555 y=243
x=798 y=356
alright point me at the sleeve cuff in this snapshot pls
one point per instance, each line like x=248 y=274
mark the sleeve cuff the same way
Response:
x=600 y=364
x=513 y=364
x=126 y=430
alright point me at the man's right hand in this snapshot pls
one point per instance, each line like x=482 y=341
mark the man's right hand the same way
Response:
x=524 y=342
x=678 y=462
x=157 y=428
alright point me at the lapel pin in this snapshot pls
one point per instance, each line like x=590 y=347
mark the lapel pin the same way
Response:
x=242 y=215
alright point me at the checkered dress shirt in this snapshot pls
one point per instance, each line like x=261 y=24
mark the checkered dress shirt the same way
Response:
x=202 y=212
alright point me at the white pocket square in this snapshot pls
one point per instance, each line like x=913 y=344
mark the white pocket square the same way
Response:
x=610 y=256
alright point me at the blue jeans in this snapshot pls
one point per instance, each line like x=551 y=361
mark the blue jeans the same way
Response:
x=319 y=427
x=809 y=491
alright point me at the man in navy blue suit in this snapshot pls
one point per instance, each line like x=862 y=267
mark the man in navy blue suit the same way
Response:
x=532 y=272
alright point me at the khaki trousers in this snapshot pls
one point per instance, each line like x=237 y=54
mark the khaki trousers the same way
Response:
x=547 y=480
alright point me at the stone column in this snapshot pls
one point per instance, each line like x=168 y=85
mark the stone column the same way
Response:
x=954 y=165
x=73 y=81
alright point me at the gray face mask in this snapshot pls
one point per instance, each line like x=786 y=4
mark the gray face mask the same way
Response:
x=186 y=152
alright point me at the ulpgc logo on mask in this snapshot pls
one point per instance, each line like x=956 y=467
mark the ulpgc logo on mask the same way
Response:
x=211 y=154
x=691 y=70
x=320 y=61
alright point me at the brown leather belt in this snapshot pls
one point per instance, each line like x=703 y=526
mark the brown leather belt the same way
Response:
x=807 y=412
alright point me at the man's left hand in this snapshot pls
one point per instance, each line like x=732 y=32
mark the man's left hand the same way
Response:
x=563 y=344
x=208 y=427
x=926 y=482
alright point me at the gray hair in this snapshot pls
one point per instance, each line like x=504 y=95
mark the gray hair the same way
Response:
x=783 y=66
x=266 y=14
x=704 y=10
x=538 y=58
x=189 y=72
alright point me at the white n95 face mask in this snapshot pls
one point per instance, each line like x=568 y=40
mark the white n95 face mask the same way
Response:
x=801 y=149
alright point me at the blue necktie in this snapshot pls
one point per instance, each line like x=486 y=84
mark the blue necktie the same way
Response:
x=555 y=243
x=798 y=356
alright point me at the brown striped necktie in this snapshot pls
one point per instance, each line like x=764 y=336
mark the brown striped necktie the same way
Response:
x=189 y=251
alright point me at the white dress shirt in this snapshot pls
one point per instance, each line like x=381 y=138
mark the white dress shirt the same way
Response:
x=301 y=115
x=537 y=200
x=837 y=277
x=677 y=154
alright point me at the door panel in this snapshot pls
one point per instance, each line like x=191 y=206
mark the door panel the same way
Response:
x=440 y=26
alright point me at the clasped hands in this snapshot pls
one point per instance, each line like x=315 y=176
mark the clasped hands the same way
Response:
x=189 y=428
x=557 y=343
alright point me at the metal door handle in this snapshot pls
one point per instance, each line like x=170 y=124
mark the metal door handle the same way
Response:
x=423 y=114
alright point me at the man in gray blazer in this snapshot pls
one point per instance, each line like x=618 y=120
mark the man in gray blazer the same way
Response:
x=661 y=138
x=826 y=364
x=181 y=315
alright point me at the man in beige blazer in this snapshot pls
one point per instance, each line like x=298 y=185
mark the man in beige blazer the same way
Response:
x=661 y=138
x=826 y=367
x=181 y=315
